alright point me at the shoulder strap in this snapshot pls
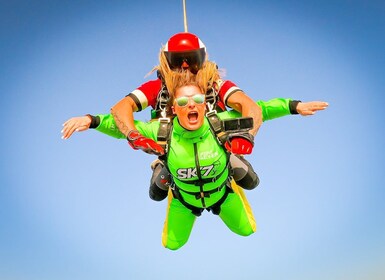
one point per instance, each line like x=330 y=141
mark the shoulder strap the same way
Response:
x=163 y=139
x=162 y=99
x=216 y=126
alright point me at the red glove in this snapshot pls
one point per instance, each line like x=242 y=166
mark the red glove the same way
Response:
x=239 y=146
x=149 y=146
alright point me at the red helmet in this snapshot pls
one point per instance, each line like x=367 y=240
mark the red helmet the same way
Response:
x=185 y=50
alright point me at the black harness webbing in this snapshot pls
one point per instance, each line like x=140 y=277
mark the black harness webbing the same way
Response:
x=165 y=128
x=199 y=195
x=197 y=211
x=216 y=126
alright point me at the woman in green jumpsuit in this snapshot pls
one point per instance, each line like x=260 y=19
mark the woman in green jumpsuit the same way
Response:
x=199 y=168
x=199 y=165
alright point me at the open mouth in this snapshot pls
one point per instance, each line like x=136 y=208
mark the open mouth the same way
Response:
x=193 y=116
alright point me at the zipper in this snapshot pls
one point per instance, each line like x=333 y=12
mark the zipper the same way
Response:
x=200 y=183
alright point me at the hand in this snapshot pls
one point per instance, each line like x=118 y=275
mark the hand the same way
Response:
x=149 y=146
x=310 y=108
x=75 y=124
x=239 y=146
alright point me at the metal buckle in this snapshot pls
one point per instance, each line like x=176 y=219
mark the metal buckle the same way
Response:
x=211 y=110
x=164 y=119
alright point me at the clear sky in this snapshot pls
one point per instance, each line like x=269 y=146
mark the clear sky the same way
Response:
x=79 y=209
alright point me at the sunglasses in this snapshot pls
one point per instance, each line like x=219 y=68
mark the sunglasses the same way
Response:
x=183 y=100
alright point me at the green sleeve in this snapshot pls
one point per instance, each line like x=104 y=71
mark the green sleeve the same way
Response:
x=108 y=126
x=272 y=109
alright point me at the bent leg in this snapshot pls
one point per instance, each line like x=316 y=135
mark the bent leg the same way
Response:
x=178 y=224
x=236 y=213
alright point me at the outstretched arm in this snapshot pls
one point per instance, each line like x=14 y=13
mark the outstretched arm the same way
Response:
x=271 y=109
x=83 y=123
x=280 y=107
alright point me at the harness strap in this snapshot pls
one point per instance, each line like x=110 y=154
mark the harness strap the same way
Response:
x=217 y=126
x=211 y=97
x=165 y=127
x=195 y=210
x=215 y=208
x=160 y=109
x=199 y=195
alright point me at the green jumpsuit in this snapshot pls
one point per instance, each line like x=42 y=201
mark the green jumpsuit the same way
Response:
x=199 y=166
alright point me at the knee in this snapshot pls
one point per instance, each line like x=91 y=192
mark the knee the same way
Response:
x=249 y=181
x=156 y=193
x=247 y=231
x=159 y=182
x=243 y=173
x=173 y=245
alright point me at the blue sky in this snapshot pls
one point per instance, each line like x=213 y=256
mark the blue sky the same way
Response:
x=79 y=209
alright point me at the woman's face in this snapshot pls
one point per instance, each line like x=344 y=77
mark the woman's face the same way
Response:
x=189 y=106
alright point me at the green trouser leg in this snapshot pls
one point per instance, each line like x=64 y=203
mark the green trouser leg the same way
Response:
x=178 y=224
x=236 y=212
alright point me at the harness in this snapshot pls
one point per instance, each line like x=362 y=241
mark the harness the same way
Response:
x=197 y=211
x=217 y=127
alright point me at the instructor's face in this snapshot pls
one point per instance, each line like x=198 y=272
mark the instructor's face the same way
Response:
x=190 y=107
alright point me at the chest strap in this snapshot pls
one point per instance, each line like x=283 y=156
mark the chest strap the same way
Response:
x=207 y=194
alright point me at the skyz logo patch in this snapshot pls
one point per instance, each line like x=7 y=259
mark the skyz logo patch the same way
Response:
x=188 y=173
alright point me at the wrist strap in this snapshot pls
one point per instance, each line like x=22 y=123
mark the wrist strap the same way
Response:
x=293 y=106
x=95 y=121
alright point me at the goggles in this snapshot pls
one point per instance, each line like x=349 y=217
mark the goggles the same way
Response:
x=183 y=100
x=194 y=59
